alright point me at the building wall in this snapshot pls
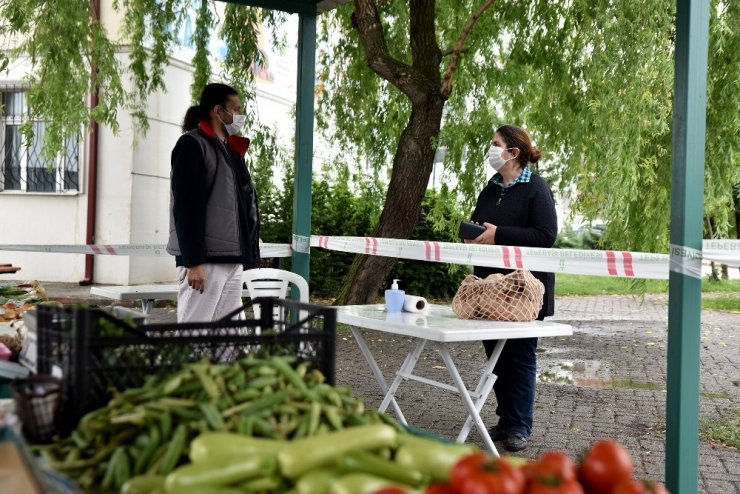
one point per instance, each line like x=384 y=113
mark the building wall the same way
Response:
x=42 y=218
x=150 y=192
x=133 y=178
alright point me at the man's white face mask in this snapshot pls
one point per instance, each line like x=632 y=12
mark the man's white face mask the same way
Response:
x=237 y=123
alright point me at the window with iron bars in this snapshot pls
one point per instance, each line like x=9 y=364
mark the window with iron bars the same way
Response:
x=23 y=168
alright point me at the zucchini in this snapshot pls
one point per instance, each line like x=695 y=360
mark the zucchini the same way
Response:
x=211 y=446
x=307 y=453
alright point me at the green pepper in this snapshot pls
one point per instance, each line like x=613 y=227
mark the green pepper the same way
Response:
x=142 y=484
x=314 y=418
x=247 y=394
x=265 y=428
x=283 y=366
x=262 y=381
x=174 y=449
x=212 y=416
x=142 y=462
x=333 y=416
x=209 y=385
x=267 y=402
x=210 y=490
x=172 y=384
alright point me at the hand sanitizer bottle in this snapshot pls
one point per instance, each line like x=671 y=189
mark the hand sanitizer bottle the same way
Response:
x=394 y=298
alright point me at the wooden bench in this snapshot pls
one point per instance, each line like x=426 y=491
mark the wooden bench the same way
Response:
x=8 y=268
x=147 y=294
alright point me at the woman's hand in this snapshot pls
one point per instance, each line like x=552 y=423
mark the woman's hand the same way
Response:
x=487 y=237
x=197 y=278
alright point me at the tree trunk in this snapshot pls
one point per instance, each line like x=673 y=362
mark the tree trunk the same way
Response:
x=422 y=83
x=736 y=201
x=412 y=167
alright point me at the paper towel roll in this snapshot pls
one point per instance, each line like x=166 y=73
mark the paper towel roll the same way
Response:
x=412 y=303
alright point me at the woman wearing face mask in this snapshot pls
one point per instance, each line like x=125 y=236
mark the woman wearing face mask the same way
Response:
x=214 y=217
x=517 y=209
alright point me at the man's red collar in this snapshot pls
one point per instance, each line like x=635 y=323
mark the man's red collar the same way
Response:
x=236 y=143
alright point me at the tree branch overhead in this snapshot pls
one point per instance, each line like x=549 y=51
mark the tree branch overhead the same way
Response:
x=366 y=20
x=458 y=49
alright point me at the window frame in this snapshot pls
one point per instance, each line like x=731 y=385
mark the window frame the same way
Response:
x=61 y=163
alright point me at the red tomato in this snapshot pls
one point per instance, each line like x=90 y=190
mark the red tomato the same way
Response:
x=466 y=467
x=527 y=469
x=567 y=487
x=486 y=483
x=440 y=489
x=639 y=487
x=605 y=465
x=390 y=490
x=482 y=474
x=553 y=467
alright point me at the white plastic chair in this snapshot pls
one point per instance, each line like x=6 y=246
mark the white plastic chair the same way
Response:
x=269 y=282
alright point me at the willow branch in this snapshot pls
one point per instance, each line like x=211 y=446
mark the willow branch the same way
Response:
x=452 y=68
x=447 y=53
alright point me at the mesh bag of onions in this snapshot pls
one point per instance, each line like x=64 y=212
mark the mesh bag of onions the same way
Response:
x=516 y=296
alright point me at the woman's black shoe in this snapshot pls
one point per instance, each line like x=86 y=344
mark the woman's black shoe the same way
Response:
x=497 y=433
x=516 y=442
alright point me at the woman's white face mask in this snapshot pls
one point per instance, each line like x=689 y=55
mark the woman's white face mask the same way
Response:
x=495 y=160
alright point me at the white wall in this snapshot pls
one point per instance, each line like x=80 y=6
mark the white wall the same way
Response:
x=133 y=179
x=42 y=218
x=150 y=192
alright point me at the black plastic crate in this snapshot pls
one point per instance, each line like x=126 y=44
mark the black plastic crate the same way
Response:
x=95 y=352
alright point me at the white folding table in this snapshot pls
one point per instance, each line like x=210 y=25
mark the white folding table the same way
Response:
x=147 y=294
x=440 y=327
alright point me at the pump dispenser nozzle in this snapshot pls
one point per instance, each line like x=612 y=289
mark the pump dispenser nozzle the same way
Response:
x=394 y=298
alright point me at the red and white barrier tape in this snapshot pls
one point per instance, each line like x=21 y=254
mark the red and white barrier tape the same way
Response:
x=148 y=250
x=722 y=252
x=591 y=262
x=572 y=261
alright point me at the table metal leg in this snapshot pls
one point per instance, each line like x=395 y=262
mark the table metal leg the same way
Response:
x=146 y=305
x=376 y=371
x=469 y=404
x=485 y=385
x=406 y=369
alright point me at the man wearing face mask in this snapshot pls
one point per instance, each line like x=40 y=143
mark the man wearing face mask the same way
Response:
x=214 y=215
x=517 y=209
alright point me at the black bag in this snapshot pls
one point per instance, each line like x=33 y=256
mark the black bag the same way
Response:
x=469 y=231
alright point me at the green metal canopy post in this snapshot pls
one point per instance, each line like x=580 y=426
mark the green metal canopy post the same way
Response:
x=304 y=143
x=687 y=208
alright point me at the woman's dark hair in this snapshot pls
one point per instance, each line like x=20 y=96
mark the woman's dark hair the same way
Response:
x=214 y=94
x=516 y=137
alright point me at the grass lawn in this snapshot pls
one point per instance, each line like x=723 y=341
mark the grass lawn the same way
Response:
x=719 y=295
x=577 y=284
x=725 y=430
